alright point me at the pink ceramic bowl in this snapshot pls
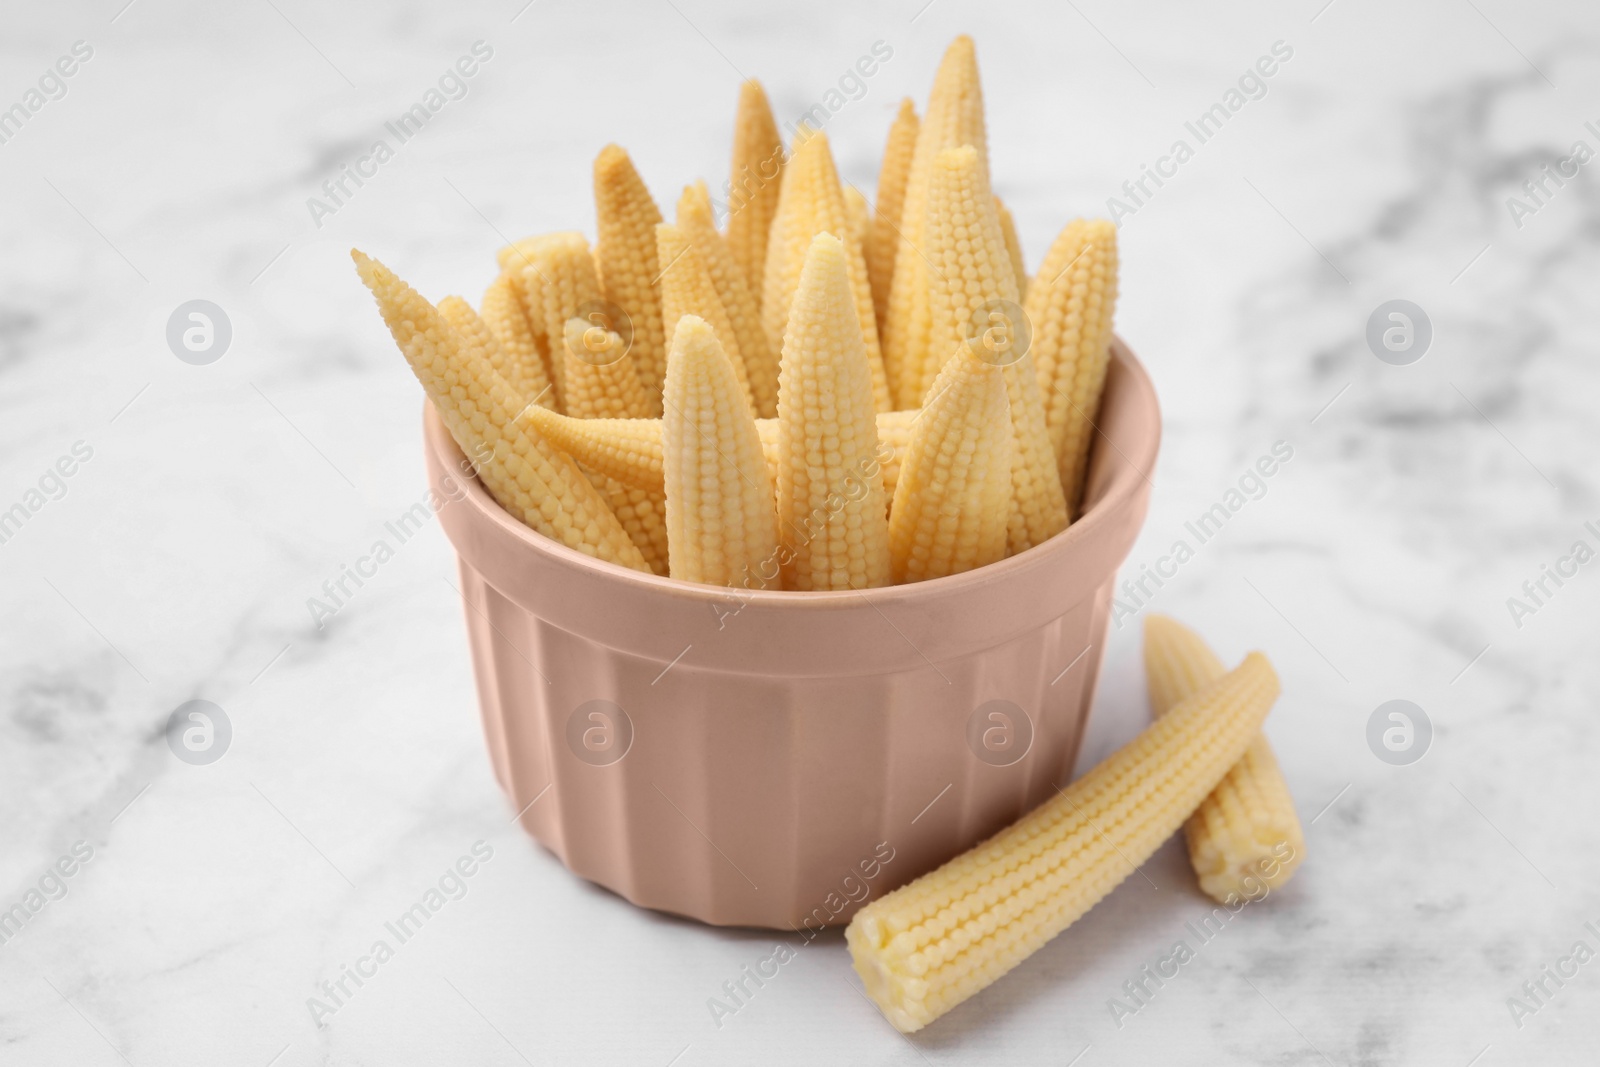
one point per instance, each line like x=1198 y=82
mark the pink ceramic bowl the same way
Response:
x=777 y=759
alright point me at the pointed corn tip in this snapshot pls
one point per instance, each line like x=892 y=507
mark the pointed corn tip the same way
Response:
x=752 y=92
x=828 y=240
x=372 y=272
x=961 y=45
x=958 y=67
x=1163 y=631
x=1258 y=660
x=908 y=108
x=695 y=348
x=365 y=264
x=825 y=249
x=612 y=157
x=692 y=332
x=810 y=149
x=825 y=266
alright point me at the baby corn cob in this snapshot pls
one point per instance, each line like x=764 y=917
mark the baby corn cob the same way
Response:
x=722 y=528
x=744 y=312
x=1245 y=838
x=856 y=210
x=514 y=256
x=966 y=258
x=883 y=230
x=971 y=277
x=1070 y=305
x=459 y=314
x=686 y=289
x=514 y=259
x=1177 y=662
x=626 y=253
x=954 y=118
x=643 y=515
x=832 y=514
x=810 y=202
x=602 y=382
x=630 y=449
x=930 y=945
x=894 y=439
x=1008 y=227
x=560 y=271
x=532 y=479
x=466 y=322
x=952 y=500
x=520 y=358
x=753 y=184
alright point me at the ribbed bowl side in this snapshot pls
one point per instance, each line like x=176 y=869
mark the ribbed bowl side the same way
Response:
x=747 y=801
x=781 y=765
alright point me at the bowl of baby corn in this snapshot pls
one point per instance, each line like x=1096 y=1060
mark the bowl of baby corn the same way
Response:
x=787 y=549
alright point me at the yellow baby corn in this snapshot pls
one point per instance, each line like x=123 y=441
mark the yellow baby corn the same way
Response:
x=753 y=184
x=601 y=380
x=856 y=210
x=514 y=256
x=532 y=479
x=514 y=259
x=883 y=230
x=687 y=289
x=466 y=322
x=952 y=499
x=520 y=359
x=965 y=254
x=810 y=202
x=626 y=253
x=1008 y=227
x=560 y=271
x=930 y=945
x=954 y=118
x=832 y=515
x=642 y=513
x=722 y=528
x=602 y=383
x=1245 y=838
x=628 y=450
x=738 y=300
x=894 y=437
x=1070 y=305
x=1177 y=662
x=972 y=281
x=462 y=319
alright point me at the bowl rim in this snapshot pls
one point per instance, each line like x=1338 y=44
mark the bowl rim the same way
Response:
x=1123 y=485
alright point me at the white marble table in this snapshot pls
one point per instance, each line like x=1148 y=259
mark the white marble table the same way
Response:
x=177 y=561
